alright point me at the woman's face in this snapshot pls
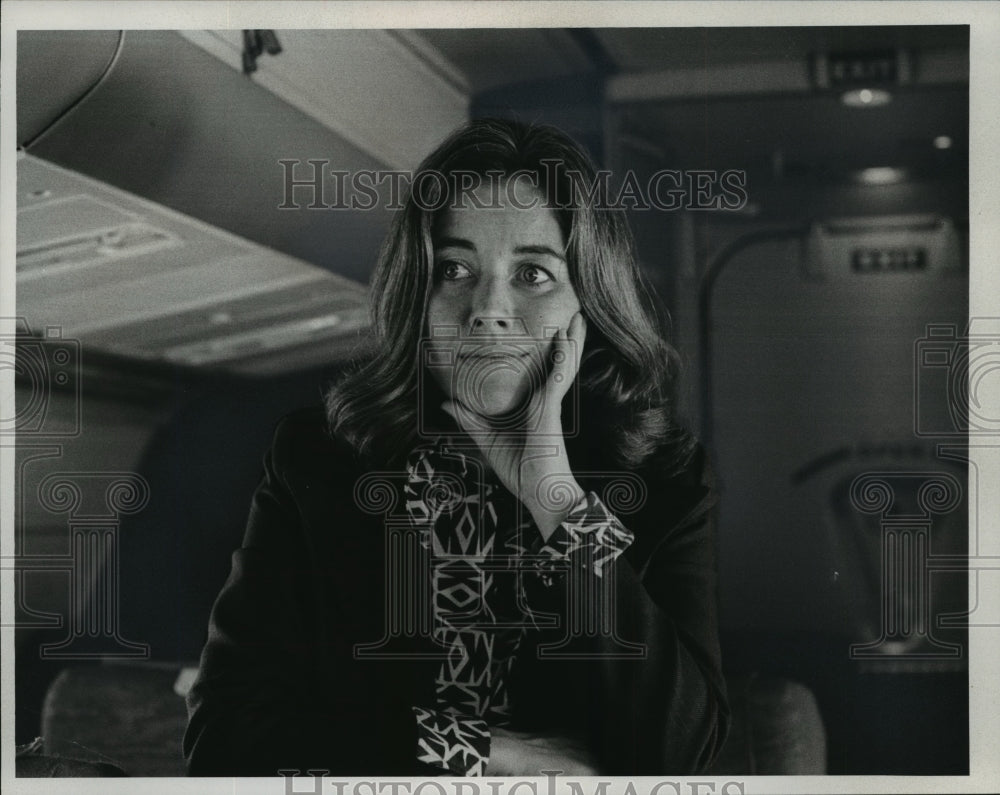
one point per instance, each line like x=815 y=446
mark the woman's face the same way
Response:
x=501 y=290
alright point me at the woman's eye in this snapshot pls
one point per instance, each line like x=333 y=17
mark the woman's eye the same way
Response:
x=450 y=270
x=532 y=274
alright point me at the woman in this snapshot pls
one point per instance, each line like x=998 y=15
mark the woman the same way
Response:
x=492 y=553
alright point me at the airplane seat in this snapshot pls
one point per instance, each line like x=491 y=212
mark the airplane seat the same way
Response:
x=776 y=729
x=124 y=716
x=130 y=717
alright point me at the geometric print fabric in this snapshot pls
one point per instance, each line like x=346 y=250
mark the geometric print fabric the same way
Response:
x=479 y=557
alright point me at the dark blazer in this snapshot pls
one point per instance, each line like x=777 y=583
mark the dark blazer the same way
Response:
x=284 y=683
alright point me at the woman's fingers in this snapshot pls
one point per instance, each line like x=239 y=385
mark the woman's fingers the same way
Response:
x=577 y=334
x=566 y=353
x=545 y=404
x=558 y=359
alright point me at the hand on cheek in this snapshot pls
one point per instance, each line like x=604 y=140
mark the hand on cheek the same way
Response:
x=531 y=461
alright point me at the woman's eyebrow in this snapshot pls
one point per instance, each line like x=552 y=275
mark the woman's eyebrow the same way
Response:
x=454 y=242
x=540 y=250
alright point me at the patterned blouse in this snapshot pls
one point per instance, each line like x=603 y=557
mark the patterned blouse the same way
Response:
x=469 y=523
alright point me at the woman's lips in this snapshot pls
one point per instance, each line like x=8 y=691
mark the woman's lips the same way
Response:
x=495 y=351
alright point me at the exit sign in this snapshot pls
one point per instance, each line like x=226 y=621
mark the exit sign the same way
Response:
x=862 y=68
x=876 y=260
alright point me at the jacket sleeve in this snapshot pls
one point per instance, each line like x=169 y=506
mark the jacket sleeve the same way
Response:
x=258 y=705
x=656 y=700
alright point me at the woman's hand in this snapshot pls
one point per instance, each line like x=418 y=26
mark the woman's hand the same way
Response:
x=532 y=462
x=522 y=754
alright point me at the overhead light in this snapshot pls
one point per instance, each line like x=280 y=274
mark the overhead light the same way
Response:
x=866 y=97
x=264 y=339
x=880 y=175
x=92 y=247
x=942 y=142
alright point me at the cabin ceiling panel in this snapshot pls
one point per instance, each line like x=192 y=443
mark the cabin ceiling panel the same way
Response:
x=494 y=57
x=656 y=49
x=206 y=298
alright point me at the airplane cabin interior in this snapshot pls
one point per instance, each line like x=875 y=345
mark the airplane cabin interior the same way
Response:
x=799 y=200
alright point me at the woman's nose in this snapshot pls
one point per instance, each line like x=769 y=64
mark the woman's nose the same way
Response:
x=494 y=310
x=493 y=325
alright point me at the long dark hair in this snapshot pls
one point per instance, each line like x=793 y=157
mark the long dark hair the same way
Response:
x=628 y=369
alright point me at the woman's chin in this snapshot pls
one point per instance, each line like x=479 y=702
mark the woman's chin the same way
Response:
x=495 y=405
